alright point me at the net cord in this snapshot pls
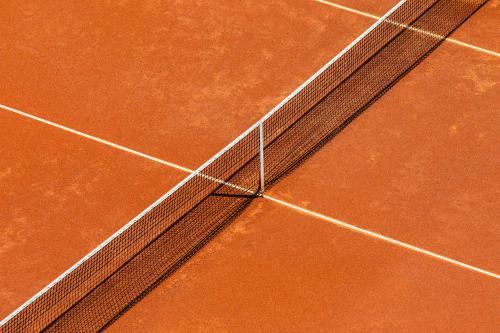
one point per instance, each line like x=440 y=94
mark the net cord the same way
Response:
x=198 y=172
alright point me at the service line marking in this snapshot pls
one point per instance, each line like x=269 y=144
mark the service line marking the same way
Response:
x=264 y=196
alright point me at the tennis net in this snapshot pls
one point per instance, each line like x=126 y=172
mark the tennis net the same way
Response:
x=122 y=270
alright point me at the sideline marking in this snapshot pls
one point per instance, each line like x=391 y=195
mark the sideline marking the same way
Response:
x=375 y=17
x=264 y=196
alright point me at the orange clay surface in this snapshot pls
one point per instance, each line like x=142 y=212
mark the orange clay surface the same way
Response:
x=420 y=166
x=177 y=81
x=274 y=270
x=373 y=7
x=180 y=81
x=62 y=195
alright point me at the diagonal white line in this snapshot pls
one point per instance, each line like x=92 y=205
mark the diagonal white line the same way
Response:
x=265 y=196
x=381 y=237
x=192 y=173
x=375 y=17
x=119 y=147
x=96 y=139
x=348 y=9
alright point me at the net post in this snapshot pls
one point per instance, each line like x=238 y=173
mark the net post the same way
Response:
x=261 y=154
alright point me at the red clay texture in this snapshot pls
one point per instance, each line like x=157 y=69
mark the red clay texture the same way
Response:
x=61 y=196
x=274 y=270
x=178 y=80
x=372 y=7
x=421 y=165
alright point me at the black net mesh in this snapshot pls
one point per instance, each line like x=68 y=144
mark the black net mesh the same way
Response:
x=153 y=245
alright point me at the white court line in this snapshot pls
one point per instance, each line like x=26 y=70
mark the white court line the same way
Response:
x=119 y=147
x=265 y=196
x=192 y=174
x=94 y=138
x=380 y=236
x=375 y=17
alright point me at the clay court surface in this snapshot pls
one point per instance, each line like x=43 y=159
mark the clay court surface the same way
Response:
x=179 y=81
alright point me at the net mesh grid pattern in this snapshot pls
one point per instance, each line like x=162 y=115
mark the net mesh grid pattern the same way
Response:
x=107 y=283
